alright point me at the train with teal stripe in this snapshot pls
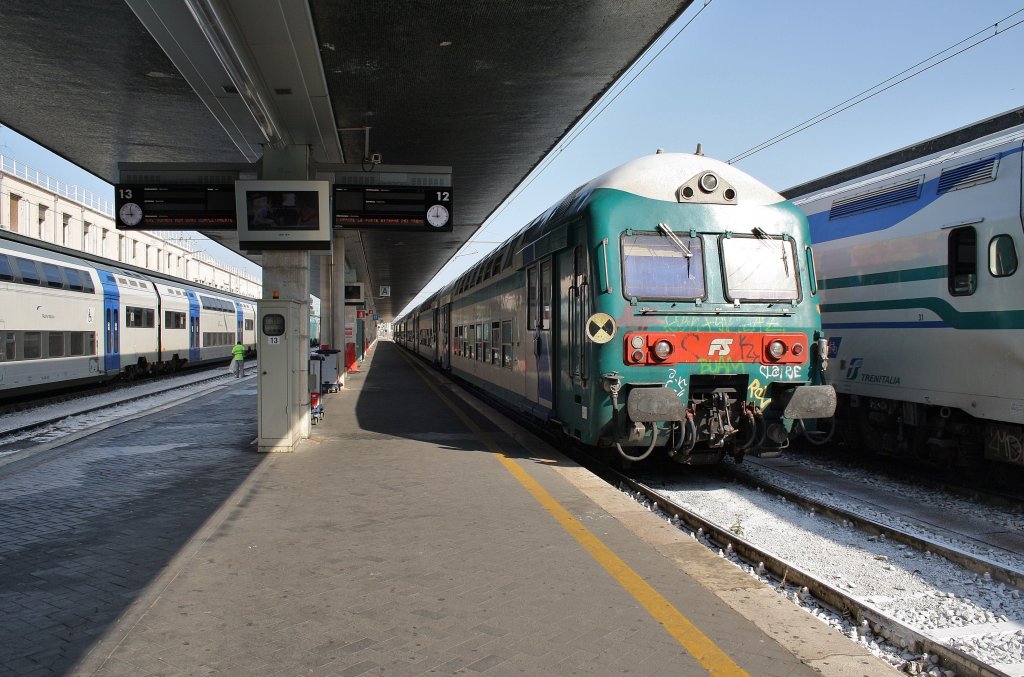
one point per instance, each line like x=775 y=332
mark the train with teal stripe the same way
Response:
x=666 y=306
x=922 y=295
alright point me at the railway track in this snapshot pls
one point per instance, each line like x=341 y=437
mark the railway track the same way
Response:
x=802 y=583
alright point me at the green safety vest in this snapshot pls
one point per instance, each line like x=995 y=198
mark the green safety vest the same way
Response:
x=238 y=351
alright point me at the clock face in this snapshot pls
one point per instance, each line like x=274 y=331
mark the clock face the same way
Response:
x=437 y=216
x=131 y=214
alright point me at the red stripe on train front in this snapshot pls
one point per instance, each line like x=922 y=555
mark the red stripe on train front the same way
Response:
x=661 y=348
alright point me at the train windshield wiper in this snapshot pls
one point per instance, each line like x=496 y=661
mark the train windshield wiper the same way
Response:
x=663 y=227
x=760 y=234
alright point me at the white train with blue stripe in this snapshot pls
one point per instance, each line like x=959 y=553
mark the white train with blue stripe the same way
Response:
x=68 y=319
x=922 y=296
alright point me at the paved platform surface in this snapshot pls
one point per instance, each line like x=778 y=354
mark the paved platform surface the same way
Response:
x=412 y=534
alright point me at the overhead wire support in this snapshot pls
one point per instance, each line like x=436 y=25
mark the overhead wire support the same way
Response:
x=870 y=91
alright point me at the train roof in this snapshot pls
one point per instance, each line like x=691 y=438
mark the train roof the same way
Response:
x=957 y=137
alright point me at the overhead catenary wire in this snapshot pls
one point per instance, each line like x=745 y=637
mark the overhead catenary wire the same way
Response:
x=882 y=86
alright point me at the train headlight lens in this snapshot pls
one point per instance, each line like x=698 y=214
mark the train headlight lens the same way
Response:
x=797 y=349
x=637 y=342
x=637 y=356
x=662 y=349
x=776 y=349
x=708 y=182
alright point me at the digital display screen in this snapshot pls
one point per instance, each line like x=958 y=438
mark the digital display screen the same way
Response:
x=408 y=208
x=175 y=207
x=282 y=209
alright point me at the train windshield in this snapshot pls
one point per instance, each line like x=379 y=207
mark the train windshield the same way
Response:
x=759 y=269
x=655 y=267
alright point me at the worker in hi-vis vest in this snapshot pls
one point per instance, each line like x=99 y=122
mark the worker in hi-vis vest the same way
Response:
x=238 y=353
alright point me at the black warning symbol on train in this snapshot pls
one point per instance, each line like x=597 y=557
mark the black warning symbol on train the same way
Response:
x=600 y=328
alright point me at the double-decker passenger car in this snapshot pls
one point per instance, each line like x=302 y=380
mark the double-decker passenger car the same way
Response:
x=923 y=297
x=67 y=319
x=668 y=303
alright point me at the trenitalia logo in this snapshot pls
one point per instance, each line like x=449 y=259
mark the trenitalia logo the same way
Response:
x=855 y=365
x=720 y=346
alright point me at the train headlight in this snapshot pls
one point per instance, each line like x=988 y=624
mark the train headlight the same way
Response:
x=637 y=342
x=662 y=349
x=776 y=349
x=708 y=182
x=797 y=349
x=637 y=356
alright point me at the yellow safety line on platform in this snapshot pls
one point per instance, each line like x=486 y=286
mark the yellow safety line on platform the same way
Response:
x=695 y=642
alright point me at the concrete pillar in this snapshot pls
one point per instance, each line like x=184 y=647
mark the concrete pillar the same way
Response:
x=286 y=277
x=337 y=317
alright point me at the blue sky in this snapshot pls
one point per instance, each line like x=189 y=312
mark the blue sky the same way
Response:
x=746 y=70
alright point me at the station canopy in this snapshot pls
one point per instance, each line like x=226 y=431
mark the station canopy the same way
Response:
x=487 y=88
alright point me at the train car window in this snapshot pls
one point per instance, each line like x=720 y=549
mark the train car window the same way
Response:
x=545 y=292
x=1002 y=256
x=471 y=342
x=506 y=344
x=9 y=347
x=76 y=343
x=810 y=271
x=29 y=271
x=90 y=337
x=148 y=318
x=759 y=269
x=963 y=261
x=482 y=344
x=87 y=285
x=74 y=278
x=496 y=343
x=655 y=267
x=6 y=272
x=53 y=277
x=55 y=341
x=32 y=345
x=531 y=298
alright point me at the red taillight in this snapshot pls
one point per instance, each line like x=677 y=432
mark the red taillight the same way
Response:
x=314 y=399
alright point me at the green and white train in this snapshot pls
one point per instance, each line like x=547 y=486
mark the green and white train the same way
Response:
x=922 y=295
x=669 y=304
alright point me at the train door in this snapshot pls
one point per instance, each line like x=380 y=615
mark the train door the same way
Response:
x=193 y=328
x=445 y=337
x=575 y=299
x=111 y=324
x=539 y=361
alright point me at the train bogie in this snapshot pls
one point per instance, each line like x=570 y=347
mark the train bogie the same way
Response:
x=669 y=303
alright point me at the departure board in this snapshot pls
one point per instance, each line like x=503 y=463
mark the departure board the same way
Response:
x=410 y=208
x=175 y=207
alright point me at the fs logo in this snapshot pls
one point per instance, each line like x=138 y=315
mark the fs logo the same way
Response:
x=720 y=346
x=855 y=365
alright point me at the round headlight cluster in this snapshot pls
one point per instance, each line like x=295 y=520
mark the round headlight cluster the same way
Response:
x=638 y=356
x=637 y=342
x=708 y=182
x=797 y=349
x=662 y=349
x=776 y=349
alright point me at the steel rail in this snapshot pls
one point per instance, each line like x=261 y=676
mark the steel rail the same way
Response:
x=786 y=572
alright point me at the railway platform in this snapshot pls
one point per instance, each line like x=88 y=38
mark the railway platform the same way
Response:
x=416 y=532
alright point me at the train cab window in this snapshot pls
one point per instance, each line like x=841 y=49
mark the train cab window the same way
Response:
x=1002 y=256
x=963 y=261
x=29 y=271
x=53 y=277
x=656 y=267
x=759 y=269
x=6 y=272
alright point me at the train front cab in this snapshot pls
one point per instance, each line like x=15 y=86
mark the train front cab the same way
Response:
x=700 y=372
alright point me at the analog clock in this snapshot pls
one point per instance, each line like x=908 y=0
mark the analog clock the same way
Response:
x=437 y=216
x=131 y=214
